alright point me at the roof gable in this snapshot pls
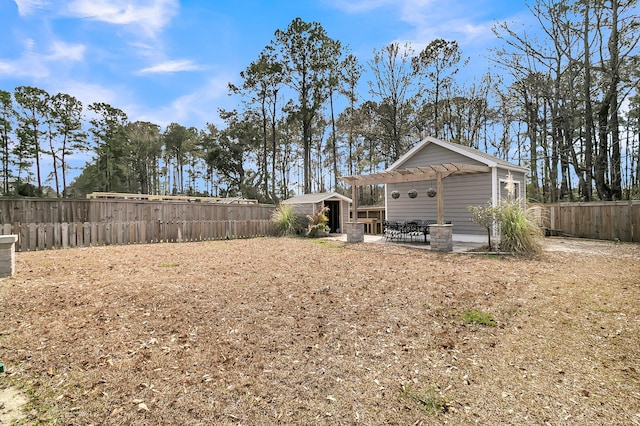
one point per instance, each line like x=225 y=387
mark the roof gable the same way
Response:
x=465 y=151
x=315 y=198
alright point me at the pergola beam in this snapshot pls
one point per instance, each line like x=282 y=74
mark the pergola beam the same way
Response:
x=413 y=174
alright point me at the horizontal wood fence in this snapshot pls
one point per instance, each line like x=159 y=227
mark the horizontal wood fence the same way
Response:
x=605 y=220
x=48 y=224
x=43 y=236
x=43 y=210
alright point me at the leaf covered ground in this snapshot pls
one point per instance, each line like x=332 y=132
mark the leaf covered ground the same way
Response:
x=299 y=331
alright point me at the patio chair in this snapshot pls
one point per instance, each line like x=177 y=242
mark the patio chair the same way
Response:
x=412 y=230
x=391 y=229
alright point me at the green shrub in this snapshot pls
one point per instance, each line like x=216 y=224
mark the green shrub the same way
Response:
x=318 y=223
x=289 y=222
x=485 y=216
x=519 y=233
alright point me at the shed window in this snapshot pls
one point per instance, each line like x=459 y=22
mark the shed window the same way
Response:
x=504 y=194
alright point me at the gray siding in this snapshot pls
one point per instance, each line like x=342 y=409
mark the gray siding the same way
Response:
x=311 y=208
x=458 y=193
x=306 y=208
x=433 y=154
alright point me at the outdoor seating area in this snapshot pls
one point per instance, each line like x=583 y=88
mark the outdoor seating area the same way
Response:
x=408 y=231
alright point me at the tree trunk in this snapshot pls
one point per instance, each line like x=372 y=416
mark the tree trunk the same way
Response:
x=334 y=149
x=273 y=146
x=265 y=150
x=616 y=167
x=601 y=162
x=587 y=192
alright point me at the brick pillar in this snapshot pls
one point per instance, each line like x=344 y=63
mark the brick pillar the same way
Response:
x=355 y=232
x=441 y=237
x=7 y=255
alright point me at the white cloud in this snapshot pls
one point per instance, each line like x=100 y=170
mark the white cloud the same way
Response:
x=63 y=51
x=5 y=68
x=37 y=65
x=26 y=66
x=193 y=109
x=150 y=15
x=358 y=6
x=430 y=19
x=87 y=93
x=29 y=43
x=28 y=7
x=171 y=67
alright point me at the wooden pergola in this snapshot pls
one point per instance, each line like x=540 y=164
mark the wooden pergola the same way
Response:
x=412 y=174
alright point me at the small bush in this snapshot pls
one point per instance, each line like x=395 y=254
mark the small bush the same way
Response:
x=519 y=233
x=476 y=316
x=289 y=222
x=318 y=223
x=485 y=216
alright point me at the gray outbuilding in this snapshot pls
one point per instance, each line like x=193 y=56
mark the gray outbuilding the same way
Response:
x=309 y=204
x=438 y=180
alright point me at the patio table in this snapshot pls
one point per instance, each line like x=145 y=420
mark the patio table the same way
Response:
x=370 y=224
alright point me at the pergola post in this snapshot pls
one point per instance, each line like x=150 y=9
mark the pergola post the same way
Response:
x=440 y=199
x=441 y=234
x=355 y=230
x=354 y=202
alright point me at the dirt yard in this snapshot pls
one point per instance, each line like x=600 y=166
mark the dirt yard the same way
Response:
x=299 y=331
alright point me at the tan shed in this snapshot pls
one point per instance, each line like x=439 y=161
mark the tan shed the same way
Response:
x=338 y=205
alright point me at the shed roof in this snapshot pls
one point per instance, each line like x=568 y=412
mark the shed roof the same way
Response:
x=463 y=150
x=316 y=198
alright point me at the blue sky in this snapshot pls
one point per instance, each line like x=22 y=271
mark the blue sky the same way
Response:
x=171 y=61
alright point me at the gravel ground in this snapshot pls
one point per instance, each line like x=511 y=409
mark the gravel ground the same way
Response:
x=300 y=331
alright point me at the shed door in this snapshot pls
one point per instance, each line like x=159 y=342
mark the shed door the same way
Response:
x=333 y=214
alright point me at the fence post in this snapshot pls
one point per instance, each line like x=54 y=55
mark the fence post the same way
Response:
x=64 y=228
x=8 y=255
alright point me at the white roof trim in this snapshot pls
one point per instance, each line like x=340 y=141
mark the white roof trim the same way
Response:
x=457 y=149
x=315 y=198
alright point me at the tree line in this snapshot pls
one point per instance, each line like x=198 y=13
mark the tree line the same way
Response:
x=564 y=104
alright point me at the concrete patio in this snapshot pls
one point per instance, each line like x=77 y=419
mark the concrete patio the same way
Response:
x=461 y=243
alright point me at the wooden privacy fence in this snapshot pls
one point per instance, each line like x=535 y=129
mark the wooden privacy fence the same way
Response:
x=43 y=210
x=43 y=236
x=604 y=220
x=58 y=223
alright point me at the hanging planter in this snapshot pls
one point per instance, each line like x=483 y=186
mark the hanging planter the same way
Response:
x=431 y=192
x=412 y=193
x=395 y=194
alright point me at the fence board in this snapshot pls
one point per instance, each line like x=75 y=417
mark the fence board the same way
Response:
x=49 y=235
x=189 y=222
x=45 y=210
x=57 y=235
x=606 y=220
x=33 y=233
x=40 y=236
